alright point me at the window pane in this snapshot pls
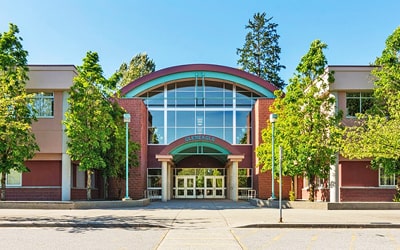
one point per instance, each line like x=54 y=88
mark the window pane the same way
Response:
x=366 y=104
x=242 y=118
x=44 y=104
x=242 y=136
x=228 y=115
x=185 y=99
x=14 y=178
x=156 y=119
x=352 y=106
x=217 y=132
x=214 y=118
x=228 y=136
x=181 y=132
x=185 y=118
x=154 y=171
x=155 y=98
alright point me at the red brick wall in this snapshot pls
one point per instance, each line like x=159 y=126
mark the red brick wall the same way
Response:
x=359 y=174
x=33 y=194
x=367 y=194
x=80 y=194
x=262 y=180
x=138 y=133
x=42 y=173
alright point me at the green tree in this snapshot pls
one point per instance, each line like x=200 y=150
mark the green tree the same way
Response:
x=115 y=155
x=89 y=122
x=17 y=141
x=139 y=66
x=307 y=127
x=376 y=134
x=260 y=53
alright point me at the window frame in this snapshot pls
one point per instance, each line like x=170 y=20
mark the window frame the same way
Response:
x=19 y=177
x=41 y=96
x=389 y=179
x=360 y=99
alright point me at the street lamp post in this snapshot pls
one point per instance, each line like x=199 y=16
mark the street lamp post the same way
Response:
x=127 y=119
x=272 y=119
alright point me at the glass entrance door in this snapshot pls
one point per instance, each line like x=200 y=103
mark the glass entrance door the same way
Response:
x=214 y=186
x=185 y=186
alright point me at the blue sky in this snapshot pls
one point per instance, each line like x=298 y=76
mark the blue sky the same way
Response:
x=175 y=32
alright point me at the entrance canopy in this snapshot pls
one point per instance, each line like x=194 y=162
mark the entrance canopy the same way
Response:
x=200 y=144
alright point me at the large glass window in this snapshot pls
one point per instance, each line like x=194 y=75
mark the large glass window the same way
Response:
x=43 y=104
x=200 y=107
x=13 y=179
x=386 y=179
x=358 y=102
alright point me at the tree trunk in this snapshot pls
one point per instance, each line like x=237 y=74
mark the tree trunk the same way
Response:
x=105 y=187
x=311 y=189
x=293 y=195
x=397 y=194
x=3 y=186
x=88 y=185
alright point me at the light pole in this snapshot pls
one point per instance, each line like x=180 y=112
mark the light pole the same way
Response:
x=127 y=119
x=272 y=119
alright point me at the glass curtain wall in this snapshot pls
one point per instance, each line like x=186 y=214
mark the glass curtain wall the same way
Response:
x=199 y=106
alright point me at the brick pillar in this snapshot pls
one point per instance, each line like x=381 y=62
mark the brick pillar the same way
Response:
x=262 y=180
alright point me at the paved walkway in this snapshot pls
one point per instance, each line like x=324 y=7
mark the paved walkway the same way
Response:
x=199 y=214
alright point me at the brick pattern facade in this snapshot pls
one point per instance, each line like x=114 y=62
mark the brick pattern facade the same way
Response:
x=138 y=133
x=366 y=194
x=33 y=194
x=263 y=180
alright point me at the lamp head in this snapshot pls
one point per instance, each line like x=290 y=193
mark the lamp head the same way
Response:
x=127 y=118
x=273 y=118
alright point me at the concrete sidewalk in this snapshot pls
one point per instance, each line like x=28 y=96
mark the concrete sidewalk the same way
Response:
x=199 y=214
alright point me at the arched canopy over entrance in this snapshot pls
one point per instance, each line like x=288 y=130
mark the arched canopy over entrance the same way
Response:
x=143 y=84
x=199 y=145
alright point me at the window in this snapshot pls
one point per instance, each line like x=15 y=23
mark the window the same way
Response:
x=13 y=179
x=44 y=104
x=154 y=178
x=358 y=102
x=386 y=179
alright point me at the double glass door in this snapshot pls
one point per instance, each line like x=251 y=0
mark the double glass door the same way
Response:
x=192 y=187
x=185 y=187
x=214 y=187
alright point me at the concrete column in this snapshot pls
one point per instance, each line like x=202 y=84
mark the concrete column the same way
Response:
x=234 y=181
x=166 y=162
x=169 y=184
x=334 y=181
x=65 y=177
x=164 y=182
x=65 y=159
x=233 y=175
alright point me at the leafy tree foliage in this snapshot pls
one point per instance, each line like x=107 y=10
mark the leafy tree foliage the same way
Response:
x=260 y=53
x=115 y=155
x=376 y=134
x=139 y=66
x=89 y=122
x=17 y=141
x=307 y=127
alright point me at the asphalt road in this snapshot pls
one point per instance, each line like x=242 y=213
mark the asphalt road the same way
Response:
x=143 y=239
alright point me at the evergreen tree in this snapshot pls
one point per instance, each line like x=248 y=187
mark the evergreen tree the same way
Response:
x=260 y=53
x=17 y=141
x=139 y=66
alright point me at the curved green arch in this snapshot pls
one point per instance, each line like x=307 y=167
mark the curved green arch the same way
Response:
x=183 y=147
x=193 y=74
